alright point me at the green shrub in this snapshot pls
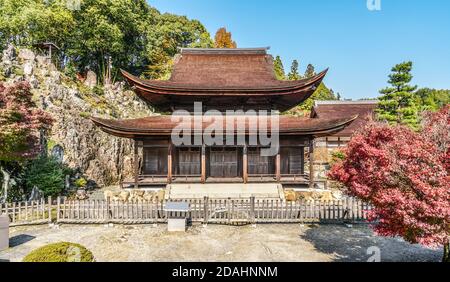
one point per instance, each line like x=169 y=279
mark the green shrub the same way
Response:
x=60 y=252
x=85 y=114
x=47 y=174
x=81 y=182
x=337 y=156
x=98 y=90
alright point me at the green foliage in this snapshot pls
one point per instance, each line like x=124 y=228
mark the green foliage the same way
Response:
x=337 y=156
x=165 y=35
x=397 y=105
x=47 y=174
x=431 y=99
x=310 y=71
x=70 y=70
x=60 y=252
x=85 y=114
x=322 y=93
x=278 y=69
x=81 y=182
x=98 y=90
x=130 y=32
x=294 y=74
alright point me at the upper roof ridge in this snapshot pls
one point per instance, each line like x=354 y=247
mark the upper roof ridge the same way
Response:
x=225 y=51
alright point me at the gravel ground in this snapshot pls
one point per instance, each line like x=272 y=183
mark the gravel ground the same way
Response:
x=271 y=242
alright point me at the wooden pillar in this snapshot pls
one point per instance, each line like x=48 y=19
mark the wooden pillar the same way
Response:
x=311 y=163
x=245 y=165
x=136 y=164
x=169 y=163
x=278 y=166
x=203 y=165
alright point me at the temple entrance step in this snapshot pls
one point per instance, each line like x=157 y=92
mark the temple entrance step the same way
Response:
x=225 y=190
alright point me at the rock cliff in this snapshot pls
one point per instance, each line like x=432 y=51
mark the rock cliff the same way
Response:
x=99 y=156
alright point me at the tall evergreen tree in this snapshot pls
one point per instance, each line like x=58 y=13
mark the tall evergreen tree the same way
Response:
x=396 y=104
x=310 y=72
x=278 y=68
x=293 y=74
x=223 y=39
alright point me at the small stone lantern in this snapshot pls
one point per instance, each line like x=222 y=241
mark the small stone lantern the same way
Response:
x=177 y=213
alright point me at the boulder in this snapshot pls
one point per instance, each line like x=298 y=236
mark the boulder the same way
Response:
x=160 y=194
x=26 y=55
x=57 y=153
x=124 y=196
x=81 y=194
x=149 y=196
x=9 y=54
x=41 y=60
x=337 y=195
x=290 y=195
x=307 y=196
x=326 y=196
x=91 y=79
x=28 y=69
x=34 y=82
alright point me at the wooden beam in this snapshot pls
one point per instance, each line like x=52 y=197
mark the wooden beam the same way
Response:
x=203 y=164
x=311 y=164
x=245 y=164
x=169 y=163
x=278 y=166
x=136 y=164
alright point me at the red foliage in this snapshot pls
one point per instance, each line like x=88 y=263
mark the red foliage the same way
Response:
x=404 y=175
x=20 y=122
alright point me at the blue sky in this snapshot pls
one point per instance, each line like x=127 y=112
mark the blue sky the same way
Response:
x=359 y=46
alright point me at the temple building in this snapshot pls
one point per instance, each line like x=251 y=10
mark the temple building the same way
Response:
x=214 y=81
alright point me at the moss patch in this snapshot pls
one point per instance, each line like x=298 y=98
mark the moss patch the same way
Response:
x=60 y=252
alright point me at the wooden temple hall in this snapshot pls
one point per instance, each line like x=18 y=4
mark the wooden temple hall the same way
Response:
x=222 y=79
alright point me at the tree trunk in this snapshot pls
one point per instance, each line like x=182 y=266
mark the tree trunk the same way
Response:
x=5 y=185
x=446 y=257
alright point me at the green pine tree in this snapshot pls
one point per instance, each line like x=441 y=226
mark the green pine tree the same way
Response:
x=293 y=74
x=310 y=72
x=278 y=68
x=397 y=103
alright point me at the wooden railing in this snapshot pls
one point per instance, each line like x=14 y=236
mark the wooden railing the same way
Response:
x=29 y=212
x=221 y=211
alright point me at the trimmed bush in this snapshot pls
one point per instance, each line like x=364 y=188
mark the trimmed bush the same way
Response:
x=60 y=252
x=47 y=174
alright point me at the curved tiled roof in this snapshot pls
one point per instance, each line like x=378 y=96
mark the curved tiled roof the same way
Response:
x=163 y=125
x=344 y=109
x=218 y=76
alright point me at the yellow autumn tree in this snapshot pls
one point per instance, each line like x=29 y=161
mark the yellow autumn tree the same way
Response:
x=223 y=39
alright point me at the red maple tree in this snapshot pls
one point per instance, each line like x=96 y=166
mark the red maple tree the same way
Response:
x=405 y=176
x=20 y=123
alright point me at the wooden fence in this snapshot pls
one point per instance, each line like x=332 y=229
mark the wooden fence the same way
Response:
x=220 y=211
x=29 y=212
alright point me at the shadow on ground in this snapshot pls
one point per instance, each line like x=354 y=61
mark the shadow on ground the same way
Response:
x=19 y=240
x=359 y=244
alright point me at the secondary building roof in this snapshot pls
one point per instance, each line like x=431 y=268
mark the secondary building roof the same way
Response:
x=365 y=109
